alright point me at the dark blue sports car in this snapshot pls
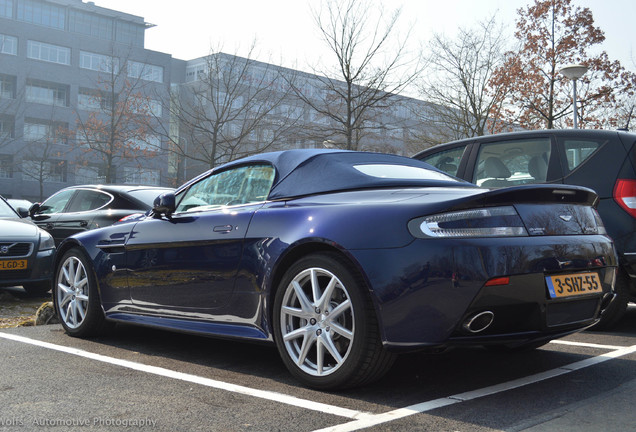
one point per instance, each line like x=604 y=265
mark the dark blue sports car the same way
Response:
x=343 y=259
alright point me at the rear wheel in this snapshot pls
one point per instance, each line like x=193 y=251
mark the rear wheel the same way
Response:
x=76 y=297
x=325 y=325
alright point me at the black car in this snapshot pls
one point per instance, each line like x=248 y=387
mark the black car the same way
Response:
x=600 y=160
x=81 y=208
x=26 y=252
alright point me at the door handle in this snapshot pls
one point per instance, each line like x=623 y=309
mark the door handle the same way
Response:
x=223 y=228
x=83 y=223
x=49 y=226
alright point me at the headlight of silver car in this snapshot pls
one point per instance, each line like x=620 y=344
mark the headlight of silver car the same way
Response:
x=483 y=222
x=46 y=241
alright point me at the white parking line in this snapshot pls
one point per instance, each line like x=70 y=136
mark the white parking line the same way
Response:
x=587 y=345
x=263 y=394
x=361 y=419
x=370 y=420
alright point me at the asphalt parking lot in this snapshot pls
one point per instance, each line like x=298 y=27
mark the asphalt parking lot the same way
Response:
x=147 y=379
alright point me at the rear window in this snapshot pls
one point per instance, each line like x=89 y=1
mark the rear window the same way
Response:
x=401 y=172
x=512 y=162
x=447 y=160
x=578 y=151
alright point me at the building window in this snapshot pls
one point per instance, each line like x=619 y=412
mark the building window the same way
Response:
x=7 y=86
x=35 y=131
x=155 y=108
x=44 y=14
x=47 y=52
x=89 y=175
x=47 y=93
x=129 y=33
x=97 y=62
x=149 y=143
x=145 y=71
x=92 y=100
x=6 y=166
x=6 y=8
x=90 y=24
x=6 y=127
x=8 y=44
x=88 y=138
x=49 y=170
x=133 y=175
x=43 y=131
x=150 y=107
x=195 y=72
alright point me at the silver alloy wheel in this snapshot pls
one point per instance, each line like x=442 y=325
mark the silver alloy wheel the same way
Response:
x=317 y=322
x=72 y=292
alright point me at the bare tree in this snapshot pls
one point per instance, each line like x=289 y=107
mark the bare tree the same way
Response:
x=232 y=107
x=456 y=83
x=113 y=119
x=371 y=66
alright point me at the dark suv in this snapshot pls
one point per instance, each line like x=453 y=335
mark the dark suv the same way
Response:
x=601 y=160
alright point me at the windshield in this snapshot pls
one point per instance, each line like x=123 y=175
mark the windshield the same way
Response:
x=6 y=210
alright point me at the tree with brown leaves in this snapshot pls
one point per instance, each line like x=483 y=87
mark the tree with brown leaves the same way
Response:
x=553 y=34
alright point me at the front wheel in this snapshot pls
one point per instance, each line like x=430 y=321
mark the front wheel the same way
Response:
x=76 y=297
x=325 y=325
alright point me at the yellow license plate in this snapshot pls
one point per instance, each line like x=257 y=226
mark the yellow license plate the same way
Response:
x=569 y=285
x=13 y=264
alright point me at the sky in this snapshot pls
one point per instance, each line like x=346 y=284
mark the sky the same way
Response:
x=286 y=33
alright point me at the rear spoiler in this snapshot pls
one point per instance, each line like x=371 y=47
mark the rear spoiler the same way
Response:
x=531 y=193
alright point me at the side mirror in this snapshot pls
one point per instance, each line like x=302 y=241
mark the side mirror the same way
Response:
x=164 y=204
x=22 y=212
x=34 y=209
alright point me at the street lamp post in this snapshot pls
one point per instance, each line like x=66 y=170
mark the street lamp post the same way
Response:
x=574 y=72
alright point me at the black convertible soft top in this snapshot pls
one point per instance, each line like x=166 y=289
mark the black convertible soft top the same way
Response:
x=305 y=172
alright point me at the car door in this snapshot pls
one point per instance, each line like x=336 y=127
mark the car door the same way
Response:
x=80 y=212
x=186 y=264
x=45 y=215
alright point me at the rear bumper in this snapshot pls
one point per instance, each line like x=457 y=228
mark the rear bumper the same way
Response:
x=442 y=285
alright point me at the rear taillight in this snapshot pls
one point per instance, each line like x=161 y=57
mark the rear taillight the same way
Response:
x=482 y=222
x=625 y=195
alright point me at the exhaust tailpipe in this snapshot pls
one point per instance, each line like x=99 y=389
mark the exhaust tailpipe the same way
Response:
x=479 y=322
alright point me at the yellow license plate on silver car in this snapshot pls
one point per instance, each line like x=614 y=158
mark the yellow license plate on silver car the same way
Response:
x=13 y=264
x=575 y=284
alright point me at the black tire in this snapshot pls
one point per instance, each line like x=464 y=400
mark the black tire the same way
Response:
x=37 y=289
x=333 y=341
x=76 y=297
x=616 y=310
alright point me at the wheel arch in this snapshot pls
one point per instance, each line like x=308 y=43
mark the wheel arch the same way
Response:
x=64 y=247
x=306 y=248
